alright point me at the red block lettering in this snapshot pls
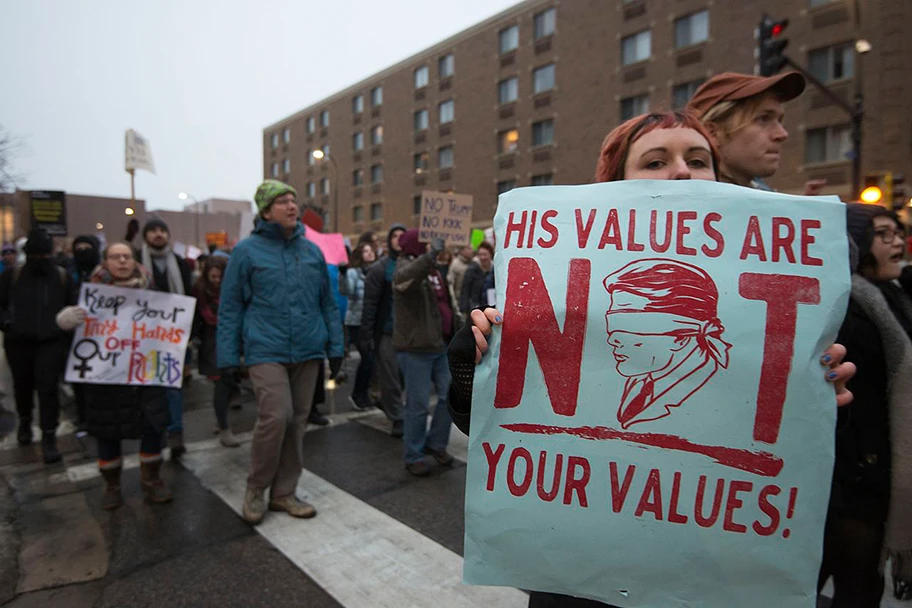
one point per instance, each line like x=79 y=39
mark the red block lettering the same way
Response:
x=733 y=504
x=651 y=500
x=582 y=232
x=574 y=462
x=714 y=234
x=702 y=521
x=632 y=245
x=769 y=510
x=549 y=495
x=653 y=231
x=807 y=240
x=519 y=489
x=683 y=230
x=516 y=227
x=493 y=457
x=673 y=515
x=529 y=319
x=550 y=228
x=611 y=235
x=783 y=241
x=619 y=493
x=782 y=294
x=753 y=241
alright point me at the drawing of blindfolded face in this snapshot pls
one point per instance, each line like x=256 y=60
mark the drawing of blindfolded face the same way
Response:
x=644 y=342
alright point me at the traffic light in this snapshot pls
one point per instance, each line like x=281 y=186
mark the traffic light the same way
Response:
x=900 y=194
x=878 y=188
x=770 y=46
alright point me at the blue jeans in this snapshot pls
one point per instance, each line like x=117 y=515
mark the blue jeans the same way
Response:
x=175 y=398
x=419 y=370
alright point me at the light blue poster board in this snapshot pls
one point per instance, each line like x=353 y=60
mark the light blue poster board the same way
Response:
x=651 y=426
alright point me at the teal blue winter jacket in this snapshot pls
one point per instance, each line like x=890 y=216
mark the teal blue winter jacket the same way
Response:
x=276 y=302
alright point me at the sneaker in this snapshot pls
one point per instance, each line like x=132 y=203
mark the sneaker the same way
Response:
x=397 y=429
x=254 y=506
x=24 y=434
x=418 y=469
x=293 y=506
x=360 y=405
x=227 y=439
x=317 y=418
x=442 y=457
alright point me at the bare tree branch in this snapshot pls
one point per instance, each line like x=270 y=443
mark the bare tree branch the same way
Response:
x=11 y=147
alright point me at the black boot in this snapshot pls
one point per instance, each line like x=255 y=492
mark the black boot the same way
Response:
x=49 y=448
x=24 y=434
x=317 y=418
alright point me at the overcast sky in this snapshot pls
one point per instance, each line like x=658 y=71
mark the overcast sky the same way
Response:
x=198 y=79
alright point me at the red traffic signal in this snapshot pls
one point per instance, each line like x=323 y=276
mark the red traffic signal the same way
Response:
x=770 y=46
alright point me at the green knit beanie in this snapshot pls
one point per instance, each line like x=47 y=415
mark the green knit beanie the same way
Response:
x=268 y=191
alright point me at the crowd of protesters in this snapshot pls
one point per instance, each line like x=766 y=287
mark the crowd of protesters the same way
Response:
x=418 y=315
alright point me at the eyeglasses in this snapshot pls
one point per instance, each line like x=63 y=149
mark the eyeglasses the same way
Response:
x=120 y=257
x=887 y=235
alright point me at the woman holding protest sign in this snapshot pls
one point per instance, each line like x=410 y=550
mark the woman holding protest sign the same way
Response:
x=117 y=412
x=207 y=291
x=869 y=515
x=663 y=146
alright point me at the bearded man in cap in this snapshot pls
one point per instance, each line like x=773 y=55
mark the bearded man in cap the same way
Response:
x=278 y=310
x=31 y=297
x=170 y=274
x=745 y=116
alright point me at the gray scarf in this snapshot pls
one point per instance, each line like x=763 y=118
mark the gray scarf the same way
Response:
x=175 y=278
x=898 y=357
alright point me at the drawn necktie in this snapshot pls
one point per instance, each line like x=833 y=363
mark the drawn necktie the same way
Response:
x=638 y=404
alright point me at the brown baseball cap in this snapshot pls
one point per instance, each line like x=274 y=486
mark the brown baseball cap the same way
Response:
x=731 y=86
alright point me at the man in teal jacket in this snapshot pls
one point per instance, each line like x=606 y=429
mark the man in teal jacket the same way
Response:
x=277 y=309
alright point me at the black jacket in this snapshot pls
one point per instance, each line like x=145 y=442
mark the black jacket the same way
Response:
x=29 y=302
x=160 y=279
x=861 y=474
x=473 y=287
x=116 y=411
x=377 y=312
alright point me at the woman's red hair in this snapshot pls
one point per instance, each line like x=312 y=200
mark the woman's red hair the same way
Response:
x=616 y=147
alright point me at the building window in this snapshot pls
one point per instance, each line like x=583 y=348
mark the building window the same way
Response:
x=358 y=214
x=827 y=145
x=324 y=185
x=447 y=111
x=445 y=157
x=542 y=133
x=324 y=118
x=691 y=29
x=421 y=77
x=544 y=23
x=376 y=212
x=446 y=66
x=637 y=47
x=325 y=149
x=274 y=140
x=358 y=177
x=286 y=166
x=509 y=39
x=814 y=3
x=542 y=180
x=507 y=141
x=357 y=104
x=416 y=204
x=543 y=79
x=275 y=169
x=311 y=124
x=311 y=189
x=505 y=186
x=376 y=174
x=421 y=120
x=358 y=141
x=832 y=62
x=421 y=162
x=311 y=161
x=508 y=90
x=376 y=97
x=376 y=135
x=682 y=93
x=634 y=106
x=286 y=135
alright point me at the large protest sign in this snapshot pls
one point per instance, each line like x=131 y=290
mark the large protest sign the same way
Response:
x=445 y=216
x=651 y=426
x=130 y=336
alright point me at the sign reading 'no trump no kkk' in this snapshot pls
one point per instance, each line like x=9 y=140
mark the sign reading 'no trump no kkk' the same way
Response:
x=445 y=216
x=130 y=336
x=651 y=426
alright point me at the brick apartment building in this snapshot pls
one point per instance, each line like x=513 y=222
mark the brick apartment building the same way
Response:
x=526 y=97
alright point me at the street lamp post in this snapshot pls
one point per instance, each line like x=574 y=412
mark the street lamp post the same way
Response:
x=319 y=155
x=184 y=196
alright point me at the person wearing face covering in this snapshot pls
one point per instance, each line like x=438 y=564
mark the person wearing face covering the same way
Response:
x=86 y=257
x=30 y=298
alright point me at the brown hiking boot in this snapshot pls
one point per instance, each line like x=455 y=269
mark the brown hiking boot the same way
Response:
x=418 y=469
x=442 y=457
x=111 y=499
x=292 y=505
x=153 y=487
x=254 y=506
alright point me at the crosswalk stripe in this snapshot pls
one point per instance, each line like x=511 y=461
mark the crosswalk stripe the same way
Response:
x=356 y=553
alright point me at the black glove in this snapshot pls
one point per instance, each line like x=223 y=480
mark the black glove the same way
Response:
x=335 y=364
x=231 y=377
x=461 y=358
x=437 y=245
